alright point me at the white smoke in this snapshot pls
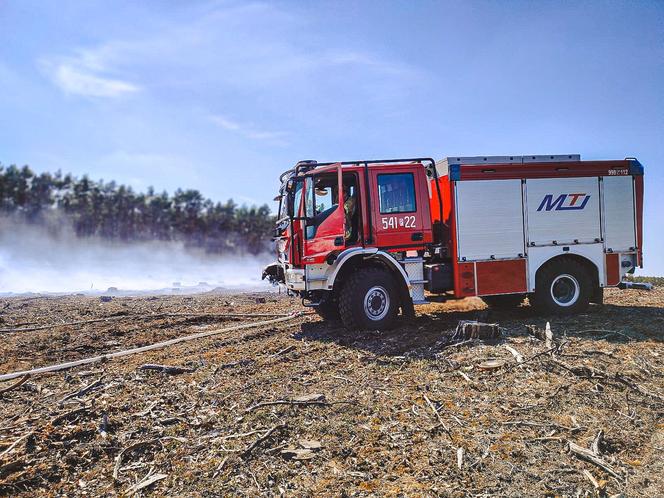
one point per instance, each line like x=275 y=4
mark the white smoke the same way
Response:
x=34 y=259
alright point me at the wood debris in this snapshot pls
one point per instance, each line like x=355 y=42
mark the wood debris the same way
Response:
x=302 y=407
x=15 y=385
x=167 y=369
x=591 y=457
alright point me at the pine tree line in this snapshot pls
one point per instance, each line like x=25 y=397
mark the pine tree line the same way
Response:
x=116 y=212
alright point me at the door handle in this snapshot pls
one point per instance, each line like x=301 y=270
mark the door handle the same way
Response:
x=339 y=241
x=417 y=236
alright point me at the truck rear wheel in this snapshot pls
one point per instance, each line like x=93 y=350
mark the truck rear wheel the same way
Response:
x=369 y=300
x=563 y=287
x=505 y=301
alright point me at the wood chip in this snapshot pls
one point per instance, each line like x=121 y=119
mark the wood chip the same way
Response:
x=491 y=365
x=517 y=356
x=297 y=453
x=309 y=398
x=148 y=480
x=310 y=444
x=548 y=335
x=592 y=480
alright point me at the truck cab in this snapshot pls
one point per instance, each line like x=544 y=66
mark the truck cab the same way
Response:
x=339 y=216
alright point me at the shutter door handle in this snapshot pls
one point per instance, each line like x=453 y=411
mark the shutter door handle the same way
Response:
x=417 y=236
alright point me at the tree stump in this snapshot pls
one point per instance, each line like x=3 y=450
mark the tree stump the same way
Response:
x=471 y=329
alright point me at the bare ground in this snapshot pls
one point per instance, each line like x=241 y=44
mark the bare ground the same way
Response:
x=402 y=413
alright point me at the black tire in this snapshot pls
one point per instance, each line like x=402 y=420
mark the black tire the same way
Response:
x=563 y=287
x=328 y=310
x=369 y=300
x=505 y=301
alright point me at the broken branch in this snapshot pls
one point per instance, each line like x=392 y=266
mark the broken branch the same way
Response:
x=19 y=383
x=82 y=392
x=589 y=456
x=167 y=369
x=265 y=436
x=517 y=356
x=435 y=411
x=135 y=446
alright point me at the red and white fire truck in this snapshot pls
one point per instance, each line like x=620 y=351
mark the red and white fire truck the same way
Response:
x=361 y=240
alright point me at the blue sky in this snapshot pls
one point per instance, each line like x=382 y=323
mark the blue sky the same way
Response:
x=222 y=96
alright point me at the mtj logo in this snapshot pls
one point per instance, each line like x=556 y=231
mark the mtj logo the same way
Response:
x=564 y=202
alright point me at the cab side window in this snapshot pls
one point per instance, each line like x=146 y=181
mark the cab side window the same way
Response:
x=396 y=193
x=321 y=201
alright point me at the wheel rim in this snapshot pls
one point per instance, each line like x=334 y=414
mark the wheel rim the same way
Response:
x=376 y=303
x=565 y=290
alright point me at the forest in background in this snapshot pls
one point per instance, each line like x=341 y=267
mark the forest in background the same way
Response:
x=115 y=212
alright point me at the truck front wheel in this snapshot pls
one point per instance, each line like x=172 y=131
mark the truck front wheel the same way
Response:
x=369 y=300
x=563 y=287
x=328 y=309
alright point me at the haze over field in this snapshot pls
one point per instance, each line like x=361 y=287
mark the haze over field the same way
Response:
x=35 y=260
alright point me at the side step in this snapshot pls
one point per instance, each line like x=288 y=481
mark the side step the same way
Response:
x=415 y=269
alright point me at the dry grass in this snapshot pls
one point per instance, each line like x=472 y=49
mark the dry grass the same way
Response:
x=373 y=419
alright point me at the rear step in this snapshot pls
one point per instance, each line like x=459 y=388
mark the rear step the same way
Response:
x=636 y=285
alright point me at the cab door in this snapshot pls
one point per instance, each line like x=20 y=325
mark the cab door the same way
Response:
x=324 y=211
x=400 y=207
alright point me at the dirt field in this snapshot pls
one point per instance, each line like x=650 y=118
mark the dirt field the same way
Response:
x=304 y=408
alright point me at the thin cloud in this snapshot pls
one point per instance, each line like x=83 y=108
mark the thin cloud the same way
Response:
x=225 y=123
x=248 y=131
x=77 y=81
x=239 y=47
x=86 y=74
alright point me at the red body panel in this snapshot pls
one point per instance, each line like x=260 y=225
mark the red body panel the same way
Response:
x=387 y=236
x=501 y=277
x=461 y=287
x=639 y=219
x=612 y=269
x=465 y=274
x=544 y=170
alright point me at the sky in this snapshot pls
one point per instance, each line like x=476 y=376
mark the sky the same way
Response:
x=222 y=96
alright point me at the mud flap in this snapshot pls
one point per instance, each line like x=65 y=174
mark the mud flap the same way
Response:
x=598 y=295
x=407 y=306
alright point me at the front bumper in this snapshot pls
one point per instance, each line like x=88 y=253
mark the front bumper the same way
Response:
x=295 y=279
x=279 y=273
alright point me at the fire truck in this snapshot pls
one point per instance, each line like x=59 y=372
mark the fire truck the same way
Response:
x=366 y=240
